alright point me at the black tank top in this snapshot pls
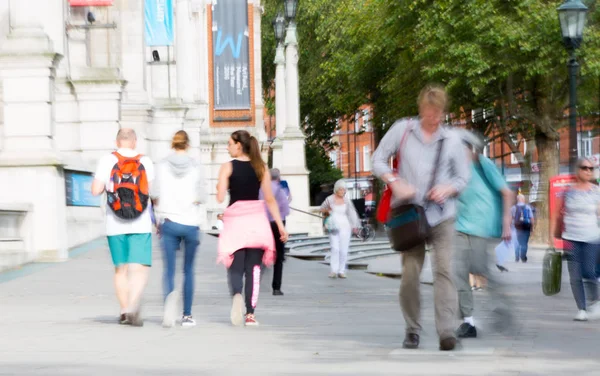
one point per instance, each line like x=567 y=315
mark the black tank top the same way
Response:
x=243 y=183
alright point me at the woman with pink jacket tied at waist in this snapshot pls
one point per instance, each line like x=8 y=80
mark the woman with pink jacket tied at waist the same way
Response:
x=246 y=240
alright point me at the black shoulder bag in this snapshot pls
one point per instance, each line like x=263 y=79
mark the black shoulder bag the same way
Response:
x=408 y=226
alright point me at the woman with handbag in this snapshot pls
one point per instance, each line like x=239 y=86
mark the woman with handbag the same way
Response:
x=581 y=234
x=342 y=220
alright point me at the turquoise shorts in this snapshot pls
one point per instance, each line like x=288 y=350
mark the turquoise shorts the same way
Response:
x=131 y=249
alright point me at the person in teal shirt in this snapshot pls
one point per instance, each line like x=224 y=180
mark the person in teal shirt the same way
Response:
x=483 y=219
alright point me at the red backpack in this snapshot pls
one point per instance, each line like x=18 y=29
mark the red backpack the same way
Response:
x=129 y=196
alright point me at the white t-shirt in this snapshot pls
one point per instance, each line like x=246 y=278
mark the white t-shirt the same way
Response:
x=114 y=224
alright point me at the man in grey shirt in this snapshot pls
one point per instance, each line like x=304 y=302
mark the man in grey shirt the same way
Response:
x=410 y=184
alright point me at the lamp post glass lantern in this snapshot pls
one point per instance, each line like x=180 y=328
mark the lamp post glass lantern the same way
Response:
x=279 y=27
x=290 y=7
x=572 y=14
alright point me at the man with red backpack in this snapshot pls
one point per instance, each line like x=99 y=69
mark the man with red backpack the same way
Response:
x=126 y=176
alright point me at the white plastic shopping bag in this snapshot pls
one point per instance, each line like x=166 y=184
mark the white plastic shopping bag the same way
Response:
x=504 y=250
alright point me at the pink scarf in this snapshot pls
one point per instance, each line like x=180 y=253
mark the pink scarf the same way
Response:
x=245 y=225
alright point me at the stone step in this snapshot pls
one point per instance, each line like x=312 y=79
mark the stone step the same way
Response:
x=325 y=242
x=320 y=252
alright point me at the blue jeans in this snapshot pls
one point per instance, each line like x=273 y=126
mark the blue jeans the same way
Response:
x=582 y=259
x=172 y=234
x=523 y=240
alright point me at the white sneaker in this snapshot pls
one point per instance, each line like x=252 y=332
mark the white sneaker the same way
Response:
x=237 y=310
x=593 y=312
x=188 y=321
x=581 y=316
x=170 y=313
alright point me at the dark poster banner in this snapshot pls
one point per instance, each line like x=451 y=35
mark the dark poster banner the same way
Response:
x=231 y=40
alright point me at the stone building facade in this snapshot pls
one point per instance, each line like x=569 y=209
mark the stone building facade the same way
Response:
x=71 y=77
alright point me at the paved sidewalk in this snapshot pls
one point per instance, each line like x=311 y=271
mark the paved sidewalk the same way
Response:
x=61 y=320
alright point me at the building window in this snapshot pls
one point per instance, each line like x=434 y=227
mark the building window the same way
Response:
x=584 y=141
x=357 y=122
x=366 y=118
x=357 y=160
x=337 y=126
x=366 y=158
x=333 y=157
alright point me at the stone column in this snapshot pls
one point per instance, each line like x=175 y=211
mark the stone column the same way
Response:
x=133 y=54
x=184 y=49
x=291 y=77
x=293 y=168
x=98 y=92
x=29 y=159
x=280 y=91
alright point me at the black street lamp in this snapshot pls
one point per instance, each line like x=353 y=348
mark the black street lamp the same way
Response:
x=572 y=14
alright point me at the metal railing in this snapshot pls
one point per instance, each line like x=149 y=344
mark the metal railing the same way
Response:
x=305 y=212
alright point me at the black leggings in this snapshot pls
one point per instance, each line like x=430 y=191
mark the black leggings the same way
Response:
x=246 y=261
x=280 y=257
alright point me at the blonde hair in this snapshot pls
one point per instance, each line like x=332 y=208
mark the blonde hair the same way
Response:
x=181 y=141
x=433 y=95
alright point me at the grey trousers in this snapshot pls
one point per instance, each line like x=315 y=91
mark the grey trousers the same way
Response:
x=444 y=292
x=476 y=255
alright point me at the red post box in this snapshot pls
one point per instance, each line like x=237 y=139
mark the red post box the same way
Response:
x=558 y=185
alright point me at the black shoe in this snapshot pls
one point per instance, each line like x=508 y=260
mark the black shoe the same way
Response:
x=466 y=330
x=448 y=344
x=524 y=259
x=277 y=292
x=123 y=319
x=411 y=341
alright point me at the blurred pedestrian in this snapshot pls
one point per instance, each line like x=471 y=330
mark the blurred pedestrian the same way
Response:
x=523 y=221
x=246 y=241
x=284 y=210
x=323 y=194
x=483 y=220
x=415 y=143
x=180 y=187
x=581 y=235
x=345 y=220
x=127 y=177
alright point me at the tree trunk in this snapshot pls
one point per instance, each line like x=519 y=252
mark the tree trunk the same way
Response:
x=549 y=167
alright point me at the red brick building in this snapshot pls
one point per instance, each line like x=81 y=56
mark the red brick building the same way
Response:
x=356 y=141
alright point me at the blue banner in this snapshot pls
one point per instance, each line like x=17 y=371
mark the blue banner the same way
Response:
x=159 y=22
x=79 y=189
x=231 y=46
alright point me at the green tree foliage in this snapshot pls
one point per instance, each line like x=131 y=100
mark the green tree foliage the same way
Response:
x=505 y=55
x=322 y=170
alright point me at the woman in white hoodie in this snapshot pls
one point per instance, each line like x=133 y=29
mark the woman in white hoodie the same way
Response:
x=179 y=188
